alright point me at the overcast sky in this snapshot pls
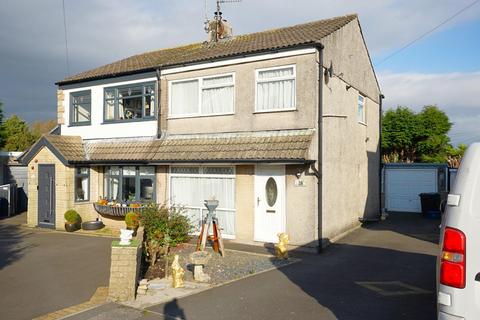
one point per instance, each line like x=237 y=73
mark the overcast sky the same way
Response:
x=443 y=68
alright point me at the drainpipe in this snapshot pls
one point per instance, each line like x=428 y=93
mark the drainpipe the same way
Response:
x=379 y=217
x=320 y=47
x=380 y=155
x=159 y=91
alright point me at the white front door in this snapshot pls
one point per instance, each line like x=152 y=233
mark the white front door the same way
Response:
x=269 y=202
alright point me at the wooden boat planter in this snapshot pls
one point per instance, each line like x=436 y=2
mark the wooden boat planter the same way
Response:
x=115 y=211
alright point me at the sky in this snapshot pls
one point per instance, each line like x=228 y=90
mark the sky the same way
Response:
x=443 y=68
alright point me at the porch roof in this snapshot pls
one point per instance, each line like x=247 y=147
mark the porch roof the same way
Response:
x=276 y=146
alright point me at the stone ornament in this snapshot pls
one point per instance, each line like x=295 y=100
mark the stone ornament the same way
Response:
x=125 y=237
x=199 y=259
x=281 y=248
x=177 y=273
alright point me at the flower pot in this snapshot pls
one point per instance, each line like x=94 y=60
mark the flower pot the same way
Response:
x=72 y=226
x=134 y=228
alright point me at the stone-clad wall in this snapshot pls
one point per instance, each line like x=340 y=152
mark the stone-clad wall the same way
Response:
x=124 y=271
x=60 y=107
x=63 y=187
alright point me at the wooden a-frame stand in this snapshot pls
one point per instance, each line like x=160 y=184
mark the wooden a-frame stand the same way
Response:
x=216 y=238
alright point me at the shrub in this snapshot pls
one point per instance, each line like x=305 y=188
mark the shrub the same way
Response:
x=164 y=228
x=72 y=216
x=131 y=219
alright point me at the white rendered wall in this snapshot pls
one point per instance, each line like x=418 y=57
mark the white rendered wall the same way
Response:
x=98 y=130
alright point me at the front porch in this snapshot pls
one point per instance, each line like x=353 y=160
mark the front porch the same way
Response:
x=261 y=193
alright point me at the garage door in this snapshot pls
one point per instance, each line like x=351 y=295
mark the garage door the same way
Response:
x=402 y=187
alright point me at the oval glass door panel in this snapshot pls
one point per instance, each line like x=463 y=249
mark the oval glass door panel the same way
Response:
x=271 y=192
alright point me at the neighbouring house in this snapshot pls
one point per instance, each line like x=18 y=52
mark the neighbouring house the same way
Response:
x=14 y=197
x=280 y=126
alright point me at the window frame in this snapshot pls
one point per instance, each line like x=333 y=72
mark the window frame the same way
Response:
x=106 y=187
x=81 y=175
x=201 y=87
x=293 y=77
x=116 y=102
x=201 y=174
x=74 y=94
x=364 y=109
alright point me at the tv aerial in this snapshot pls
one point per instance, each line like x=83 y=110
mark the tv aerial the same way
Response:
x=218 y=28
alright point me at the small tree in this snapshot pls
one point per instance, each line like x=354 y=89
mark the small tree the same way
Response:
x=39 y=128
x=415 y=137
x=18 y=135
x=164 y=228
x=455 y=155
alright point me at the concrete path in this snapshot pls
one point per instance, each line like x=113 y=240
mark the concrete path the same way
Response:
x=41 y=272
x=382 y=271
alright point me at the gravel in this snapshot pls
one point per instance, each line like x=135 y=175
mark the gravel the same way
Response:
x=235 y=264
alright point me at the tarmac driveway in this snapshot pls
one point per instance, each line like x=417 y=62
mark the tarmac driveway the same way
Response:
x=41 y=272
x=385 y=270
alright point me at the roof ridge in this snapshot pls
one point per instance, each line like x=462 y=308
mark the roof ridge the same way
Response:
x=249 y=43
x=352 y=15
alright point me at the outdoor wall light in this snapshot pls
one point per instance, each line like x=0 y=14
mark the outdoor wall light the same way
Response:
x=299 y=172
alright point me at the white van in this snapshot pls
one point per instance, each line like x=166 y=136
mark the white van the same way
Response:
x=458 y=265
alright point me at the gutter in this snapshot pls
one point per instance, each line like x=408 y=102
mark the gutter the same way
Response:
x=150 y=162
x=194 y=62
x=318 y=172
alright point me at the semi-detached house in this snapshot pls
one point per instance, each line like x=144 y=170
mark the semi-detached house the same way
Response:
x=280 y=126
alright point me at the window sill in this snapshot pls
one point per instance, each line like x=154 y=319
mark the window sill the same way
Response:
x=80 y=124
x=200 y=116
x=82 y=201
x=276 y=110
x=128 y=120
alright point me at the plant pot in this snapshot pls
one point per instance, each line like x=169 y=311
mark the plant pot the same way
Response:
x=134 y=228
x=72 y=226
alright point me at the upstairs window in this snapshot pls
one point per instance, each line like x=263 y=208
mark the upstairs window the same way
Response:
x=275 y=89
x=202 y=96
x=361 y=109
x=129 y=103
x=80 y=107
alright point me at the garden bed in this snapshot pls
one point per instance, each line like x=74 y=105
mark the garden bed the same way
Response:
x=235 y=265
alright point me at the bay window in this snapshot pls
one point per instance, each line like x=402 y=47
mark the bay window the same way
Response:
x=130 y=183
x=211 y=95
x=127 y=103
x=82 y=184
x=275 y=89
x=190 y=186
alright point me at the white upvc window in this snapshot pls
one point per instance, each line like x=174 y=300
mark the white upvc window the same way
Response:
x=205 y=96
x=275 y=89
x=361 y=109
x=190 y=186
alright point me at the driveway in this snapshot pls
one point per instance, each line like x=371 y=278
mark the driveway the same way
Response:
x=385 y=270
x=41 y=272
